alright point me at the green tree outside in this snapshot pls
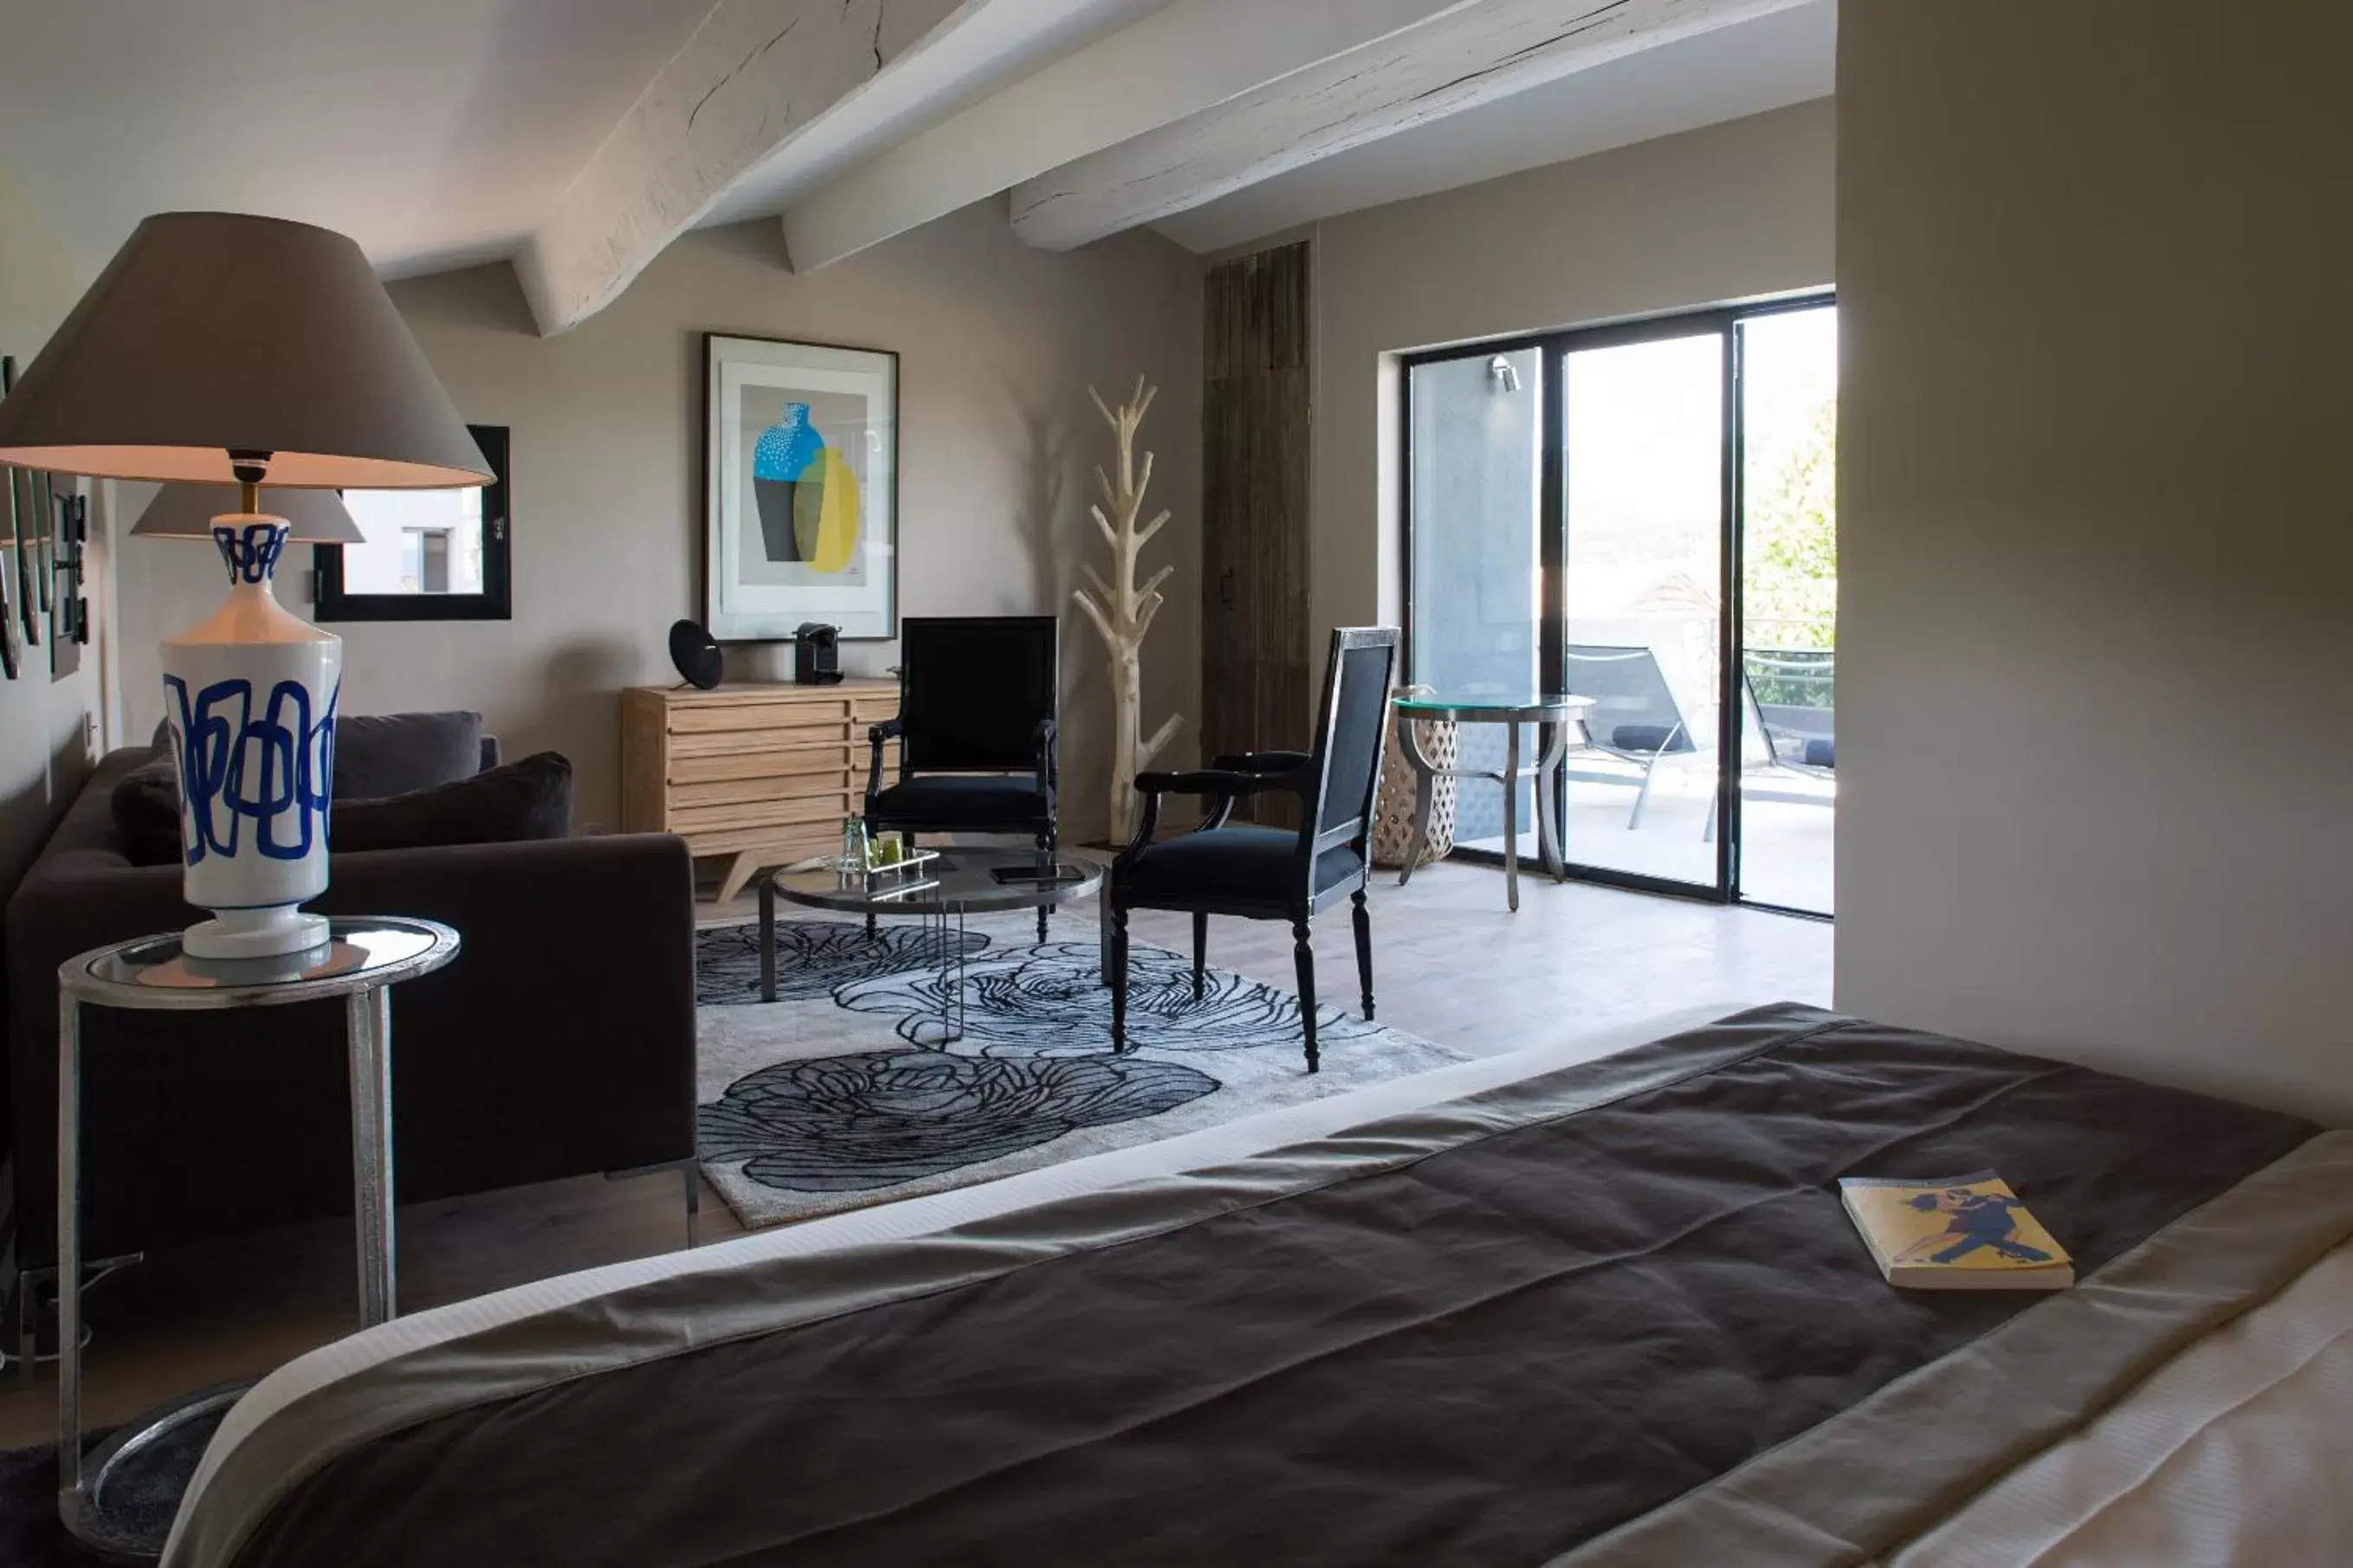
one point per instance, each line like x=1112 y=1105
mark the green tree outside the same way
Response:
x=1792 y=595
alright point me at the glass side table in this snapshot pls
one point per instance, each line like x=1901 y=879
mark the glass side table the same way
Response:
x=361 y=959
x=1551 y=713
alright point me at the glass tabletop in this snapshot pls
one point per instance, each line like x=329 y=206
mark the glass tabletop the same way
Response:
x=954 y=878
x=1494 y=705
x=360 y=953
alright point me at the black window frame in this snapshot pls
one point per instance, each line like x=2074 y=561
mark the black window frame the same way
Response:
x=494 y=603
x=1552 y=523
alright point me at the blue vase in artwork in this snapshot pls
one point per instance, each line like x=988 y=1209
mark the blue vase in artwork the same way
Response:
x=784 y=452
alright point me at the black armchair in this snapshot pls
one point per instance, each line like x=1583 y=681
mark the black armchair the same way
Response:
x=976 y=729
x=1272 y=873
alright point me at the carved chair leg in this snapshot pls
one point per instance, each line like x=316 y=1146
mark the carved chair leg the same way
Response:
x=1118 y=978
x=1364 y=922
x=1200 y=948
x=1302 y=958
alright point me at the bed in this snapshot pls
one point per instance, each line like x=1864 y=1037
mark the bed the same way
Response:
x=1522 y=1311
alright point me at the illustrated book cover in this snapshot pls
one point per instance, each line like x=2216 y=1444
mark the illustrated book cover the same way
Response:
x=1964 y=1233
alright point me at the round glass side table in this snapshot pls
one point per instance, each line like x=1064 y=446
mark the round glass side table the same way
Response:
x=360 y=960
x=1551 y=713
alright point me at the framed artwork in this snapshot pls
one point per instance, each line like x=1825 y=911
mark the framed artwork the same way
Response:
x=801 y=492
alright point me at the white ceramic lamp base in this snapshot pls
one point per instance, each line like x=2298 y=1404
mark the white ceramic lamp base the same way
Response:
x=255 y=933
x=251 y=696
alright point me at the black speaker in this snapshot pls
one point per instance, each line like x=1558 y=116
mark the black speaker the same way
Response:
x=695 y=654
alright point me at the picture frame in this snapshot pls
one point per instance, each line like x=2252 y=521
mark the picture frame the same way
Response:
x=800 y=490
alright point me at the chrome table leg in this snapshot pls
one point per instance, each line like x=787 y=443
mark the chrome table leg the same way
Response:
x=1512 y=817
x=367 y=1021
x=1553 y=769
x=69 y=1489
x=1425 y=794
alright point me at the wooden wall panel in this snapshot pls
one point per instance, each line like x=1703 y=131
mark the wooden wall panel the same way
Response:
x=1254 y=453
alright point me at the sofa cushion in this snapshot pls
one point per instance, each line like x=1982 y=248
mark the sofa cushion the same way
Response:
x=487 y=759
x=526 y=799
x=146 y=802
x=381 y=754
x=1650 y=738
x=531 y=798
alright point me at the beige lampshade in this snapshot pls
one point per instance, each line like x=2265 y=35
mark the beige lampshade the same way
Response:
x=186 y=511
x=213 y=332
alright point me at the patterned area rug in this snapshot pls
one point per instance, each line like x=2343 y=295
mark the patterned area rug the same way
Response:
x=830 y=1098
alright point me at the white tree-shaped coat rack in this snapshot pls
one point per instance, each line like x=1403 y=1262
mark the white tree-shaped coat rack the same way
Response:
x=1120 y=610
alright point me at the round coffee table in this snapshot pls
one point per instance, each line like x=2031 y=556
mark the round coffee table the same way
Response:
x=941 y=890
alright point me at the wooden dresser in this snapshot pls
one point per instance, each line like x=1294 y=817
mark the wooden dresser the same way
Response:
x=763 y=774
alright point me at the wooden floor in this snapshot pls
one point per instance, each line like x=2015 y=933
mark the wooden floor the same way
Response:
x=1451 y=965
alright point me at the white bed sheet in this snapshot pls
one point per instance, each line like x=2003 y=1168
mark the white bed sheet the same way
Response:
x=2238 y=1451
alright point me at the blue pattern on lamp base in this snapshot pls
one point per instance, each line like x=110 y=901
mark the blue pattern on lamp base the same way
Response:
x=251 y=552
x=274 y=772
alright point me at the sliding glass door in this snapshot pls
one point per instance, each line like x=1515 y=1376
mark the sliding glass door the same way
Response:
x=1642 y=604
x=1477 y=563
x=1641 y=515
x=1788 y=607
x=1477 y=554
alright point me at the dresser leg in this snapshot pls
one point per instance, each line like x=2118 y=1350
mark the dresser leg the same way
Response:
x=739 y=873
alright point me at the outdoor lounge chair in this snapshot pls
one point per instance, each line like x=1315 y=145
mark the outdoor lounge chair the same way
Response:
x=1634 y=718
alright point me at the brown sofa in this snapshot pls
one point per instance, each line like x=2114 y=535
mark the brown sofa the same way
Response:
x=560 y=1042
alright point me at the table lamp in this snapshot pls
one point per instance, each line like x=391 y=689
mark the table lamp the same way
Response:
x=219 y=349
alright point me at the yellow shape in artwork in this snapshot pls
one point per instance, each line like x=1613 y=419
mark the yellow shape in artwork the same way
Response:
x=825 y=513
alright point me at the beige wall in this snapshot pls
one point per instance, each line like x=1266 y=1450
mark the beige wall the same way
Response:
x=2095 y=674
x=996 y=344
x=44 y=748
x=1728 y=212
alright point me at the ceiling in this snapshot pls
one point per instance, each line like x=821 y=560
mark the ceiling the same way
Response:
x=1784 y=57
x=1043 y=30
x=436 y=133
x=446 y=132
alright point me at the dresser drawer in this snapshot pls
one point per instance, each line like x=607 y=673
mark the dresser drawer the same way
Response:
x=761 y=773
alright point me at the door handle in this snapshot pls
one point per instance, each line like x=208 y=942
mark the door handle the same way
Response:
x=1226 y=587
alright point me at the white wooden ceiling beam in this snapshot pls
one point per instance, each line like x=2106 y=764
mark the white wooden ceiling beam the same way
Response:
x=1190 y=56
x=1466 y=54
x=756 y=74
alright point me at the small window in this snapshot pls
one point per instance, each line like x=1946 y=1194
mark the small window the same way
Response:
x=430 y=555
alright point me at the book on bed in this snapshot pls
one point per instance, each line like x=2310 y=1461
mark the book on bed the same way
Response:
x=1966 y=1233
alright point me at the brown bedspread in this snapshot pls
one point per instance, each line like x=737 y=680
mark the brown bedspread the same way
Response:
x=1487 y=1354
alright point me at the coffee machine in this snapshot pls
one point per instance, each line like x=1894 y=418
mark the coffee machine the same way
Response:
x=816 y=655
